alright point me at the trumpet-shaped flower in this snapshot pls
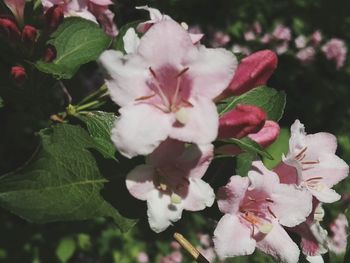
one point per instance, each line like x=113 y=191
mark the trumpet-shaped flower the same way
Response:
x=165 y=89
x=256 y=207
x=170 y=182
x=17 y=8
x=311 y=162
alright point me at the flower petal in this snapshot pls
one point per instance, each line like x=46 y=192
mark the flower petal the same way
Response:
x=230 y=196
x=279 y=245
x=232 y=238
x=288 y=174
x=131 y=41
x=200 y=195
x=140 y=129
x=161 y=212
x=325 y=195
x=140 y=181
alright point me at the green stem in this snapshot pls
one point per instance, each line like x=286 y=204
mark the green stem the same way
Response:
x=102 y=89
x=88 y=105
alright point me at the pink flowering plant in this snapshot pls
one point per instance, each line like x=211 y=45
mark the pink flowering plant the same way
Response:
x=166 y=127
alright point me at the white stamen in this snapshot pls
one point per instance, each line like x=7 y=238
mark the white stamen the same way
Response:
x=184 y=25
x=265 y=228
x=175 y=199
x=182 y=116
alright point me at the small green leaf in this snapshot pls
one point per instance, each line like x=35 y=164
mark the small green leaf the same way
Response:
x=270 y=100
x=99 y=125
x=250 y=146
x=77 y=42
x=65 y=249
x=244 y=163
x=277 y=149
x=61 y=183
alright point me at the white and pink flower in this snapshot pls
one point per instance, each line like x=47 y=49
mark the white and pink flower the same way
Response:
x=335 y=50
x=256 y=209
x=170 y=182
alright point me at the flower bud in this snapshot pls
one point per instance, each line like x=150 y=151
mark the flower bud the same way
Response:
x=267 y=135
x=241 y=121
x=17 y=8
x=29 y=34
x=254 y=70
x=19 y=75
x=49 y=54
x=53 y=17
x=9 y=29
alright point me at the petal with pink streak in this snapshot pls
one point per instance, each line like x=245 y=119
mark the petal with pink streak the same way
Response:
x=200 y=195
x=127 y=80
x=161 y=212
x=232 y=238
x=267 y=135
x=166 y=153
x=140 y=129
x=279 y=245
x=202 y=125
x=140 y=181
x=211 y=71
x=287 y=205
x=165 y=38
x=288 y=174
x=230 y=196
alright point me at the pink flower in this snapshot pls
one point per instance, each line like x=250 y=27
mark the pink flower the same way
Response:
x=174 y=257
x=266 y=38
x=338 y=241
x=257 y=27
x=170 y=182
x=249 y=36
x=306 y=55
x=300 y=42
x=29 y=34
x=165 y=89
x=18 y=75
x=241 y=49
x=9 y=30
x=256 y=207
x=253 y=71
x=335 y=50
x=94 y=10
x=220 y=39
x=282 y=48
x=311 y=162
x=142 y=257
x=282 y=32
x=241 y=121
x=17 y=8
x=316 y=37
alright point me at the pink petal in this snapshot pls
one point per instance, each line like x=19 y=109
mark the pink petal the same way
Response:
x=279 y=245
x=200 y=195
x=196 y=37
x=287 y=206
x=321 y=142
x=131 y=41
x=102 y=2
x=288 y=174
x=232 y=238
x=325 y=195
x=202 y=125
x=230 y=196
x=140 y=129
x=262 y=178
x=127 y=80
x=161 y=212
x=140 y=181
x=166 y=153
x=17 y=8
x=211 y=71
x=267 y=135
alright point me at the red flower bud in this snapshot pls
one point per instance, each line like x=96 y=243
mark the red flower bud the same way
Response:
x=19 y=75
x=49 y=54
x=252 y=71
x=29 y=34
x=241 y=121
x=9 y=29
x=53 y=17
x=267 y=135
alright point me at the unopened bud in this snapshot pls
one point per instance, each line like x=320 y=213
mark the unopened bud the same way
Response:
x=17 y=8
x=241 y=121
x=29 y=34
x=19 y=75
x=267 y=135
x=54 y=17
x=9 y=29
x=49 y=54
x=252 y=72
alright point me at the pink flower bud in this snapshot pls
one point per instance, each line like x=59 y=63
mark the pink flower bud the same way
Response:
x=19 y=75
x=17 y=8
x=9 y=29
x=29 y=34
x=267 y=135
x=49 y=54
x=241 y=121
x=253 y=71
x=53 y=17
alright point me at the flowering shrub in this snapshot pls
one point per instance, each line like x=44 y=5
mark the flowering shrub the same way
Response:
x=167 y=127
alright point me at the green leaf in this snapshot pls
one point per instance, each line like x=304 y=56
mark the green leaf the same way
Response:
x=77 y=42
x=65 y=249
x=118 y=43
x=249 y=146
x=277 y=149
x=61 y=183
x=270 y=100
x=244 y=163
x=99 y=125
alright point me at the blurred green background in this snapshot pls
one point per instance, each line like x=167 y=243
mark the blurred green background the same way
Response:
x=317 y=93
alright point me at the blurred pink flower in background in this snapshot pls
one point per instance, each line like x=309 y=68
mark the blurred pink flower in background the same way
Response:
x=240 y=49
x=220 y=39
x=306 y=55
x=300 y=42
x=339 y=229
x=316 y=37
x=174 y=257
x=249 y=36
x=142 y=257
x=335 y=50
x=282 y=48
x=282 y=32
